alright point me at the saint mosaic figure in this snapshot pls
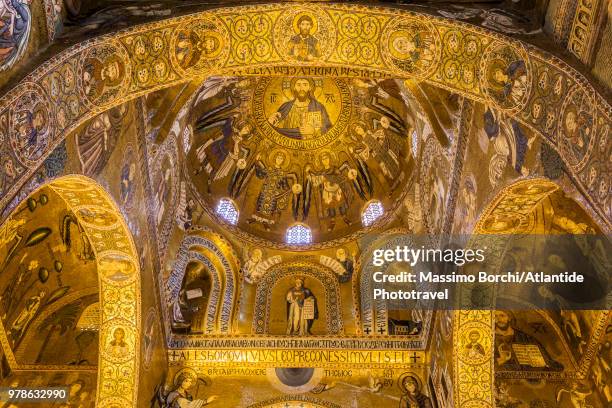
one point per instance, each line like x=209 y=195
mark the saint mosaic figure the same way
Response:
x=102 y=74
x=346 y=262
x=474 y=349
x=118 y=347
x=302 y=309
x=303 y=117
x=15 y=26
x=33 y=132
x=194 y=46
x=511 y=82
x=304 y=46
x=412 y=396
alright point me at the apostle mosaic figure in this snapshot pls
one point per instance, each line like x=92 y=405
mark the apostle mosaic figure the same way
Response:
x=302 y=309
x=412 y=396
x=303 y=117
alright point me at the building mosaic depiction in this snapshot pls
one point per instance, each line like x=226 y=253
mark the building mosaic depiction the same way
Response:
x=191 y=191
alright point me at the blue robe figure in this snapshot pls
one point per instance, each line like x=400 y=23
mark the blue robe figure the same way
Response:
x=517 y=141
x=14 y=32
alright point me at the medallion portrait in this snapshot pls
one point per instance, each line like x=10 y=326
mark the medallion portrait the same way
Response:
x=199 y=45
x=104 y=74
x=506 y=76
x=576 y=129
x=305 y=35
x=302 y=112
x=411 y=46
x=33 y=126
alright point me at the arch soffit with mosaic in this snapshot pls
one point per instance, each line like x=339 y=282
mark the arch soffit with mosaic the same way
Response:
x=119 y=298
x=211 y=250
x=39 y=321
x=354 y=41
x=475 y=378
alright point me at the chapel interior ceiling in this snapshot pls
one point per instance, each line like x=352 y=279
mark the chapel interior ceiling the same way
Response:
x=243 y=191
x=309 y=151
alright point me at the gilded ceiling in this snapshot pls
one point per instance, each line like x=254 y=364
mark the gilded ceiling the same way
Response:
x=315 y=151
x=191 y=204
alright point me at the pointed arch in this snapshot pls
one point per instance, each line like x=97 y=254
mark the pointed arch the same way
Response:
x=508 y=214
x=118 y=271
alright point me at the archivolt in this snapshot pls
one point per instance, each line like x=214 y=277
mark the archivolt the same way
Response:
x=251 y=40
x=119 y=299
x=223 y=267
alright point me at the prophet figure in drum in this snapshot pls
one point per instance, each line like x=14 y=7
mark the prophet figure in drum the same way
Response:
x=303 y=117
x=302 y=309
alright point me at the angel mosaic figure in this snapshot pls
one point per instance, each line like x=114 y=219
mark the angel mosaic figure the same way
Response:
x=181 y=396
x=333 y=188
x=278 y=185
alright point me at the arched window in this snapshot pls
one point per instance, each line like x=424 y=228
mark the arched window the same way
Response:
x=298 y=234
x=227 y=210
x=372 y=212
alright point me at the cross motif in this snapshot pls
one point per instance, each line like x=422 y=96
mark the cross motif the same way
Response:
x=414 y=357
x=367 y=330
x=381 y=330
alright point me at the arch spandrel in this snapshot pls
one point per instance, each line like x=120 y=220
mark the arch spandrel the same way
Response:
x=525 y=82
x=118 y=273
